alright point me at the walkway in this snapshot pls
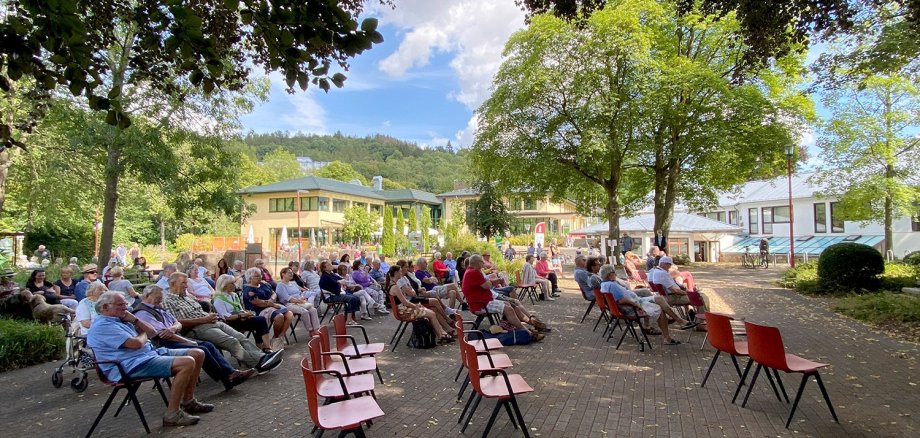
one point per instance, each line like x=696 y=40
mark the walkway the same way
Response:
x=584 y=388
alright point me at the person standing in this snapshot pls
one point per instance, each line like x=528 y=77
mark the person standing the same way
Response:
x=661 y=241
x=122 y=253
x=134 y=252
x=626 y=244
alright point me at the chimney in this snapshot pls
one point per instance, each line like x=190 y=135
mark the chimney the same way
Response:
x=378 y=182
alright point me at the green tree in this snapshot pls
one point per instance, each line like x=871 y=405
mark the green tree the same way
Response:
x=488 y=216
x=425 y=225
x=280 y=165
x=340 y=171
x=869 y=149
x=359 y=224
x=389 y=240
x=413 y=220
x=400 y=222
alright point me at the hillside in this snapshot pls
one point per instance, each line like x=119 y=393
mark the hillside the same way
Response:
x=433 y=170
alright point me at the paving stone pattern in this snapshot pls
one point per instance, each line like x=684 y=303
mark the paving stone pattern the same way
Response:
x=583 y=386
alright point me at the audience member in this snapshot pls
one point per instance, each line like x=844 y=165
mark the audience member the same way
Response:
x=86 y=309
x=89 y=276
x=529 y=276
x=168 y=270
x=291 y=296
x=229 y=308
x=447 y=291
x=544 y=271
x=329 y=282
x=199 y=287
x=65 y=287
x=478 y=291
x=260 y=297
x=582 y=276
x=119 y=284
x=38 y=284
x=410 y=306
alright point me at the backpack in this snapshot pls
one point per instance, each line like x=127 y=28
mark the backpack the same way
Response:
x=423 y=335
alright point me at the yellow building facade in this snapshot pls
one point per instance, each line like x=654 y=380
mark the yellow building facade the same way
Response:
x=560 y=217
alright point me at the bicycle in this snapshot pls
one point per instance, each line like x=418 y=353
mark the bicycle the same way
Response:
x=747 y=259
x=765 y=259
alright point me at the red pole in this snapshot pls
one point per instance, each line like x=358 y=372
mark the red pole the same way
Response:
x=791 y=214
x=299 y=233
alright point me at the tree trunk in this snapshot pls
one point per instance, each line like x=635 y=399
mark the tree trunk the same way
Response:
x=613 y=217
x=112 y=175
x=664 y=213
x=6 y=159
x=889 y=208
x=162 y=235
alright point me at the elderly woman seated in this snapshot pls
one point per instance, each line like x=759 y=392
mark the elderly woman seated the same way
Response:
x=654 y=308
x=120 y=284
x=292 y=296
x=86 y=309
x=199 y=287
x=359 y=275
x=330 y=282
x=349 y=285
x=411 y=306
x=229 y=308
x=259 y=297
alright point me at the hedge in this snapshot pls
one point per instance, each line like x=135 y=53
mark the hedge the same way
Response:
x=26 y=343
x=850 y=267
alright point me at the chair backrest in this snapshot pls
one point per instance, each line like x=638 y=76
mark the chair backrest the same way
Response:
x=472 y=364
x=102 y=377
x=720 y=336
x=517 y=278
x=338 y=324
x=315 y=347
x=643 y=275
x=310 y=385
x=601 y=303
x=765 y=346
x=323 y=333
x=657 y=288
x=611 y=305
x=688 y=280
x=695 y=299
x=395 y=310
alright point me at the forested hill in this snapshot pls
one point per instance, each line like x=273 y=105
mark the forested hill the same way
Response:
x=434 y=170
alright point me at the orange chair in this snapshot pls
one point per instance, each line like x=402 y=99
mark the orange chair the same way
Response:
x=502 y=386
x=590 y=303
x=487 y=359
x=528 y=290
x=341 y=385
x=602 y=306
x=643 y=275
x=697 y=302
x=765 y=345
x=346 y=366
x=404 y=322
x=346 y=415
x=355 y=350
x=628 y=321
x=723 y=340
x=481 y=345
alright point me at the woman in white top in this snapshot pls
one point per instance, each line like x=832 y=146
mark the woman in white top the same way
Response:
x=199 y=288
x=86 y=310
x=119 y=284
x=310 y=281
x=290 y=294
x=529 y=276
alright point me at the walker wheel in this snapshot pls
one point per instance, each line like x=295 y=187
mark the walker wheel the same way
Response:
x=79 y=384
x=57 y=378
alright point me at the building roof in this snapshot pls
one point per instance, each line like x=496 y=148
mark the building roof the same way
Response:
x=682 y=223
x=467 y=191
x=776 y=189
x=803 y=244
x=333 y=185
x=404 y=195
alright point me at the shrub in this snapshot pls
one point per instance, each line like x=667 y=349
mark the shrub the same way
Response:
x=913 y=258
x=468 y=242
x=898 y=275
x=682 y=259
x=850 y=267
x=803 y=278
x=26 y=343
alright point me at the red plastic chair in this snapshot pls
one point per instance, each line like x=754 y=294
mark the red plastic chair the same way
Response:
x=481 y=345
x=346 y=366
x=628 y=321
x=643 y=275
x=602 y=306
x=723 y=340
x=528 y=290
x=502 y=386
x=346 y=415
x=487 y=359
x=765 y=345
x=355 y=350
x=341 y=385
x=404 y=322
x=696 y=301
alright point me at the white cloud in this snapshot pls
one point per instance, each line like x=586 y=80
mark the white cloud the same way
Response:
x=466 y=136
x=475 y=31
x=308 y=116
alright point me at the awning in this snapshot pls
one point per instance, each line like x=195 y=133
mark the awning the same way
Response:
x=686 y=223
x=803 y=244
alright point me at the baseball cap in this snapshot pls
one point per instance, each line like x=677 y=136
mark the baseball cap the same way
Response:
x=667 y=260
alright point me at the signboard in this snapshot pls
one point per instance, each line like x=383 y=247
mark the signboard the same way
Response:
x=539 y=235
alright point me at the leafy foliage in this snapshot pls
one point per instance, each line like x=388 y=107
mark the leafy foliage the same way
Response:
x=280 y=165
x=913 y=259
x=359 y=224
x=425 y=225
x=466 y=242
x=848 y=266
x=803 y=278
x=340 y=171
x=901 y=310
x=899 y=275
x=413 y=220
x=488 y=216
x=388 y=239
x=26 y=343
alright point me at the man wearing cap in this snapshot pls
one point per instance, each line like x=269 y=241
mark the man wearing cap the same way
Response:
x=675 y=294
x=90 y=275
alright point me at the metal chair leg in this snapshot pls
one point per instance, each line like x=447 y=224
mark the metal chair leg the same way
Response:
x=712 y=365
x=772 y=384
x=469 y=401
x=747 y=369
x=510 y=414
x=590 y=307
x=520 y=416
x=798 y=396
x=105 y=407
x=751 y=386
x=469 y=416
x=827 y=398
x=492 y=417
x=782 y=387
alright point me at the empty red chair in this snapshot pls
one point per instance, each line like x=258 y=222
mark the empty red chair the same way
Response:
x=340 y=385
x=346 y=366
x=723 y=340
x=502 y=386
x=346 y=415
x=487 y=358
x=765 y=346
x=354 y=350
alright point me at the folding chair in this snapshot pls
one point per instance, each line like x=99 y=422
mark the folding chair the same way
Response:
x=502 y=386
x=132 y=385
x=348 y=367
x=336 y=306
x=529 y=290
x=355 y=350
x=346 y=415
x=628 y=321
x=404 y=322
x=765 y=346
x=590 y=304
x=723 y=340
x=294 y=325
x=494 y=318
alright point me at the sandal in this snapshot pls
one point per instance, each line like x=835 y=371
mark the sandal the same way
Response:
x=351 y=323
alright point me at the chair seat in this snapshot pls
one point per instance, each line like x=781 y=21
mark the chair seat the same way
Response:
x=741 y=347
x=801 y=365
x=500 y=360
x=348 y=413
x=331 y=388
x=492 y=343
x=527 y=285
x=494 y=386
x=357 y=366
x=364 y=349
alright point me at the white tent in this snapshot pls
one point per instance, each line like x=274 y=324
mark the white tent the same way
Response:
x=284 y=237
x=251 y=237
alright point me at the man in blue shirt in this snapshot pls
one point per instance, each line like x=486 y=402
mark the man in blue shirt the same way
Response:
x=90 y=275
x=384 y=266
x=117 y=335
x=582 y=275
x=451 y=264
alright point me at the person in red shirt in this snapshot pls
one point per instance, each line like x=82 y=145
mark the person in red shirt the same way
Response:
x=440 y=269
x=478 y=291
x=545 y=272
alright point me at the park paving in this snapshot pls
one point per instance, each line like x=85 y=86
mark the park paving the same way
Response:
x=583 y=386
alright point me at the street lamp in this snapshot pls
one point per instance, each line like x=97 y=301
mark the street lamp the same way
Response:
x=790 y=151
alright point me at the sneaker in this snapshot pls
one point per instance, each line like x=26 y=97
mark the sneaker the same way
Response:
x=382 y=311
x=366 y=318
x=270 y=361
x=194 y=406
x=277 y=344
x=179 y=418
x=550 y=298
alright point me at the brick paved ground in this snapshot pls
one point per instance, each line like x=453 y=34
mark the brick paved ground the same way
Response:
x=584 y=388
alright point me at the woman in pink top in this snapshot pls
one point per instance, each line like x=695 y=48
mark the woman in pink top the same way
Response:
x=544 y=271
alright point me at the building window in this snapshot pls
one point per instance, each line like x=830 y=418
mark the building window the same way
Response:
x=774 y=215
x=376 y=208
x=733 y=217
x=314 y=203
x=339 y=205
x=362 y=205
x=752 y=221
x=530 y=204
x=820 y=217
x=836 y=221
x=280 y=204
x=322 y=204
x=716 y=215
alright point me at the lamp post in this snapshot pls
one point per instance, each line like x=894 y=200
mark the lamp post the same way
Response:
x=299 y=231
x=790 y=151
